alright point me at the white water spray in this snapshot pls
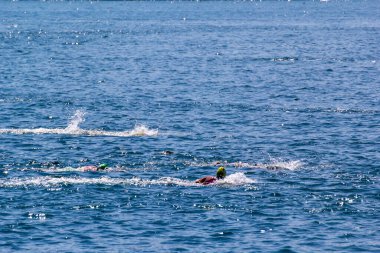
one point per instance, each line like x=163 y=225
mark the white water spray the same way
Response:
x=75 y=121
x=73 y=128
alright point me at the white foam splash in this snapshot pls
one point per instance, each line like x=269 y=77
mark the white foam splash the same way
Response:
x=137 y=131
x=236 y=179
x=74 y=129
x=289 y=165
x=49 y=181
x=76 y=120
x=141 y=130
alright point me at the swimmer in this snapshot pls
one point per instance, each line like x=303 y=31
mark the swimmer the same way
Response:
x=220 y=174
x=167 y=152
x=102 y=166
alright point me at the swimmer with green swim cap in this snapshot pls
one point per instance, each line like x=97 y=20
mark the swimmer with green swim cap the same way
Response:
x=102 y=166
x=220 y=174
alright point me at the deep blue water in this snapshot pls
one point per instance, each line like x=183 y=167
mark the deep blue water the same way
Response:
x=291 y=90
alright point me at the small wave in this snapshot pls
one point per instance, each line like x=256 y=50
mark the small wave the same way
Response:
x=324 y=110
x=74 y=129
x=285 y=59
x=352 y=110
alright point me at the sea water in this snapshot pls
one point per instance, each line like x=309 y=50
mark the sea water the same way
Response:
x=284 y=94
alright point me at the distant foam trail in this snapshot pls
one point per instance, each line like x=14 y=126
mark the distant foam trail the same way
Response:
x=74 y=129
x=288 y=165
x=139 y=130
x=49 y=181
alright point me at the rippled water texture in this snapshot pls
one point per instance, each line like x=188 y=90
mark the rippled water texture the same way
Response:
x=285 y=95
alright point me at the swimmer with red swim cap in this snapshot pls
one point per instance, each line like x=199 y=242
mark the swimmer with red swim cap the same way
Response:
x=220 y=174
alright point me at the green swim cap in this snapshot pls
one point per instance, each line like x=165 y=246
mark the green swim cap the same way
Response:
x=221 y=173
x=102 y=166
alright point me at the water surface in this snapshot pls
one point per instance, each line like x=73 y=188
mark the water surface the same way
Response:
x=285 y=95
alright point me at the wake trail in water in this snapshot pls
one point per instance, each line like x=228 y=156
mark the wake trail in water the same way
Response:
x=274 y=164
x=50 y=181
x=74 y=129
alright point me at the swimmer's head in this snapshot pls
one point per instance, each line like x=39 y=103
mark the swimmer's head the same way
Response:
x=102 y=166
x=221 y=173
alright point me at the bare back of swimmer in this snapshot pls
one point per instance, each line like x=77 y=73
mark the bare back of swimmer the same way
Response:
x=95 y=168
